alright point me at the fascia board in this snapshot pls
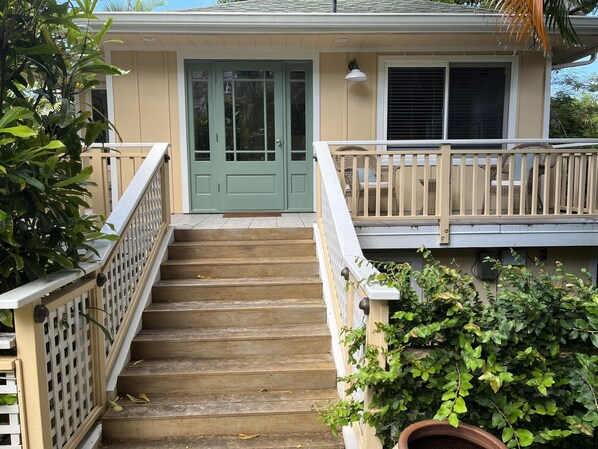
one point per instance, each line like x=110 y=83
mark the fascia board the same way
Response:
x=250 y=23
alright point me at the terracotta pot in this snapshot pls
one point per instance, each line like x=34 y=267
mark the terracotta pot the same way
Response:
x=439 y=429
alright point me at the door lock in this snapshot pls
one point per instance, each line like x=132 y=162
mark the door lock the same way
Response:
x=279 y=142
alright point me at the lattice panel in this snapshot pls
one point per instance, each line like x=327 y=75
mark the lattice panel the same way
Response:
x=67 y=338
x=129 y=262
x=10 y=428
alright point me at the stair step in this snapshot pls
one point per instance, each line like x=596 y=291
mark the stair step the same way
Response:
x=258 y=312
x=253 y=413
x=214 y=343
x=196 y=235
x=188 y=376
x=246 y=288
x=239 y=267
x=242 y=248
x=322 y=440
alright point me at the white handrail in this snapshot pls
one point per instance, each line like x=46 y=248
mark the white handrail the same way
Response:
x=343 y=224
x=123 y=211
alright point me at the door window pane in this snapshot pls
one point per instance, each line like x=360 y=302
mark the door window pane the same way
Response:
x=249 y=118
x=201 y=128
x=297 y=115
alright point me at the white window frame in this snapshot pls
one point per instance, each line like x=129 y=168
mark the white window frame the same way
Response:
x=386 y=61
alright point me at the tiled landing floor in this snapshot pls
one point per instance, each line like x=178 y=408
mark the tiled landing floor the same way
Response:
x=216 y=221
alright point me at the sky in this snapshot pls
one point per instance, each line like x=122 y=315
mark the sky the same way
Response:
x=185 y=4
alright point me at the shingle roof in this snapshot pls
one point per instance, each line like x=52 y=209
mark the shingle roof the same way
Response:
x=343 y=7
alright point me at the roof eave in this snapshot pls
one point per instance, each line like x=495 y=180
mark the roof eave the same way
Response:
x=248 y=23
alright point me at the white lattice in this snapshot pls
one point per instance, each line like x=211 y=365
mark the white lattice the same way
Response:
x=127 y=266
x=10 y=428
x=69 y=371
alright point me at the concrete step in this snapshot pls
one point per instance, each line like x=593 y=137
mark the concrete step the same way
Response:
x=216 y=343
x=258 y=312
x=313 y=440
x=206 y=235
x=251 y=413
x=239 y=267
x=189 y=376
x=246 y=249
x=247 y=288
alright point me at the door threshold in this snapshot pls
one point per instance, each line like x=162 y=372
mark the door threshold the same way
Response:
x=251 y=214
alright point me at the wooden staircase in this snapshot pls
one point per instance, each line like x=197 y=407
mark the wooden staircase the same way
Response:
x=234 y=350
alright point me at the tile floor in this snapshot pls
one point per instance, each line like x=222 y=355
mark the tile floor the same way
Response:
x=216 y=221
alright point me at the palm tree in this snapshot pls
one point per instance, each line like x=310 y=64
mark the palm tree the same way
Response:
x=132 y=5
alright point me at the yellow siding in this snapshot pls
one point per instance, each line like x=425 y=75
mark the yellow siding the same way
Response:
x=333 y=96
x=530 y=113
x=146 y=105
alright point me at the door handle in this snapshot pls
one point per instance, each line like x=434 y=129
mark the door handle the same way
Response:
x=279 y=142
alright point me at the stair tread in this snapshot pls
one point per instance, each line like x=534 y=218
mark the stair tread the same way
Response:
x=264 y=441
x=242 y=261
x=241 y=282
x=224 y=405
x=273 y=242
x=257 y=364
x=249 y=397
x=226 y=304
x=234 y=333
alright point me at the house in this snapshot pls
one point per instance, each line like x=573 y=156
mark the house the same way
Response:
x=241 y=92
x=242 y=89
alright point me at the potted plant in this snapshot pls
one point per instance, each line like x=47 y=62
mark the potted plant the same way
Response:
x=522 y=364
x=430 y=434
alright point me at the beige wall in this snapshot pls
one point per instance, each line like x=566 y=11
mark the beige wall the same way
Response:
x=530 y=107
x=146 y=107
x=349 y=110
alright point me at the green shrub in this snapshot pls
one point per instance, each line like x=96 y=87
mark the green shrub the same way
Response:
x=523 y=365
x=48 y=58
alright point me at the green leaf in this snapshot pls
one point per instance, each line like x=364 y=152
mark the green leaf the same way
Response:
x=19 y=131
x=460 y=406
x=13 y=114
x=453 y=420
x=53 y=145
x=8 y=399
x=507 y=434
x=6 y=318
x=42 y=49
x=85 y=173
x=526 y=438
x=594 y=339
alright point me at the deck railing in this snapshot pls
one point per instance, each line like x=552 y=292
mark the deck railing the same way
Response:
x=448 y=182
x=63 y=356
x=353 y=301
x=114 y=167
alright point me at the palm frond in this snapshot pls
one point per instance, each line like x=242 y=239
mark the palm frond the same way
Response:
x=524 y=18
x=132 y=5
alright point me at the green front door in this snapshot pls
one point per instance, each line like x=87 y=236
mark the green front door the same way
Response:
x=243 y=136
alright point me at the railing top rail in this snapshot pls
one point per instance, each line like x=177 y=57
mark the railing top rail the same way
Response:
x=123 y=211
x=122 y=145
x=427 y=143
x=350 y=247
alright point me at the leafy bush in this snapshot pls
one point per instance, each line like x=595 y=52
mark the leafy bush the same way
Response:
x=48 y=58
x=523 y=365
